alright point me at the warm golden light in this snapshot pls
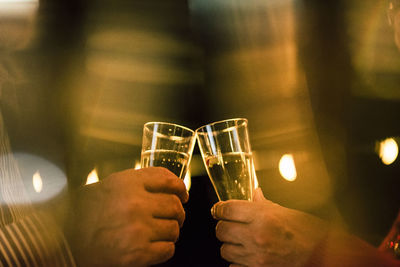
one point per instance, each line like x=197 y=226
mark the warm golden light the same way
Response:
x=287 y=167
x=37 y=182
x=256 y=184
x=388 y=151
x=188 y=180
x=18 y=8
x=19 y=1
x=137 y=165
x=92 y=177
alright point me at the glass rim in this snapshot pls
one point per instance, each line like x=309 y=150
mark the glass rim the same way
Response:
x=221 y=121
x=168 y=123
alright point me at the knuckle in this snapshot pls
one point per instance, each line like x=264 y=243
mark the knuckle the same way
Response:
x=179 y=185
x=120 y=179
x=225 y=253
x=183 y=217
x=219 y=226
x=176 y=205
x=225 y=211
x=175 y=231
x=166 y=181
x=159 y=173
x=136 y=207
x=168 y=251
x=222 y=210
x=129 y=259
x=138 y=230
x=175 y=199
x=264 y=222
x=261 y=261
x=160 y=170
x=144 y=171
x=261 y=240
x=110 y=181
x=135 y=256
x=220 y=230
x=163 y=172
x=154 y=169
x=175 y=183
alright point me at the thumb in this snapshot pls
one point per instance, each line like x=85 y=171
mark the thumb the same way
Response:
x=258 y=195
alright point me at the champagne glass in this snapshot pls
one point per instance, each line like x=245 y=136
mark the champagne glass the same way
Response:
x=167 y=145
x=226 y=152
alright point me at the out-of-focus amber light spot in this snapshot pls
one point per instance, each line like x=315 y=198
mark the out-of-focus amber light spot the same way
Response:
x=92 y=177
x=19 y=1
x=137 y=165
x=188 y=180
x=388 y=151
x=287 y=167
x=37 y=182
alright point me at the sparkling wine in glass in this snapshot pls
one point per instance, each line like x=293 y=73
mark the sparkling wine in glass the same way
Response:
x=167 y=145
x=227 y=156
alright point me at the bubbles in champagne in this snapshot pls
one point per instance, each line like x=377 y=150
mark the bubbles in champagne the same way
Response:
x=174 y=161
x=231 y=175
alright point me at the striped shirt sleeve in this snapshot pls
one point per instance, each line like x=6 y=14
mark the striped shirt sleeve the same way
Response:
x=27 y=238
x=34 y=241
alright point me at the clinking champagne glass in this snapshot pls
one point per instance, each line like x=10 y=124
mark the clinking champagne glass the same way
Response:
x=167 y=145
x=227 y=156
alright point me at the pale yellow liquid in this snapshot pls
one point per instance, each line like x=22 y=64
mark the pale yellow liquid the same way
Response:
x=174 y=161
x=231 y=175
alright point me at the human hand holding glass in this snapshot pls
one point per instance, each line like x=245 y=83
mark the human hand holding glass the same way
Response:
x=167 y=145
x=227 y=156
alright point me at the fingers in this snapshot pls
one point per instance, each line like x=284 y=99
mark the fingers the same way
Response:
x=233 y=210
x=168 y=207
x=231 y=232
x=165 y=230
x=161 y=180
x=233 y=253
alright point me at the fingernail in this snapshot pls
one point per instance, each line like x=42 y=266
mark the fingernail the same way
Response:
x=213 y=211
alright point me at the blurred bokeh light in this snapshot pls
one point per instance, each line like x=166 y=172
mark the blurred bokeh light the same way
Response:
x=317 y=78
x=43 y=180
x=188 y=180
x=92 y=177
x=37 y=182
x=388 y=151
x=137 y=165
x=287 y=167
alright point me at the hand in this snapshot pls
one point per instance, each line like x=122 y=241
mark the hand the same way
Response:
x=262 y=233
x=130 y=218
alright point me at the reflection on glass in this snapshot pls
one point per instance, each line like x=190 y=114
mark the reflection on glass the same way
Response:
x=256 y=184
x=137 y=165
x=167 y=145
x=227 y=156
x=188 y=180
x=287 y=167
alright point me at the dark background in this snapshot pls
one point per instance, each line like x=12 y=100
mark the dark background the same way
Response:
x=318 y=79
